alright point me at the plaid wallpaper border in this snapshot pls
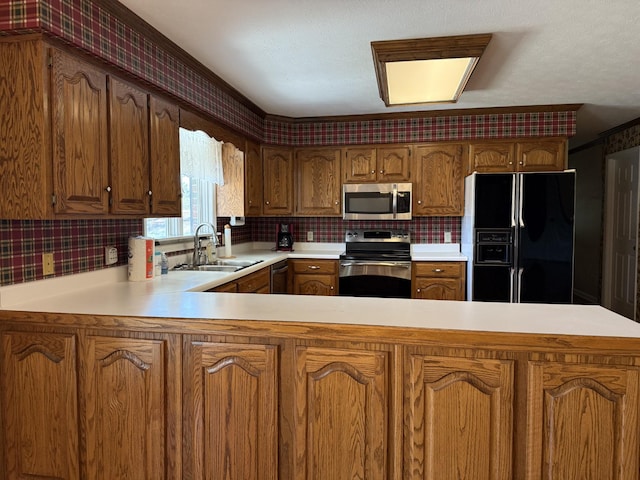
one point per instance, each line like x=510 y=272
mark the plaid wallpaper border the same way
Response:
x=427 y=129
x=86 y=25
x=77 y=246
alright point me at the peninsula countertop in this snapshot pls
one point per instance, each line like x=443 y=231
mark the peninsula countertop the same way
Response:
x=181 y=294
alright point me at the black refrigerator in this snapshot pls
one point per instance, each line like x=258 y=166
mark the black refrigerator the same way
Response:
x=518 y=234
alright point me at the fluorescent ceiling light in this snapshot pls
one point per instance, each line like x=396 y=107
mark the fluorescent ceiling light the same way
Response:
x=428 y=70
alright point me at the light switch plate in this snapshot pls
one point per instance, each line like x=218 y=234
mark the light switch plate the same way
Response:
x=47 y=264
x=309 y=236
x=110 y=255
x=447 y=237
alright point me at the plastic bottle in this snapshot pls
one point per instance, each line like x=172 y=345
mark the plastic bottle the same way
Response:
x=164 y=264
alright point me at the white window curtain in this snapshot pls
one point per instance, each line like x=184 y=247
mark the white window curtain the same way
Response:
x=200 y=156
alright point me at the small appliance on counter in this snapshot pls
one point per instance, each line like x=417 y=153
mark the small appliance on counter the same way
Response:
x=284 y=237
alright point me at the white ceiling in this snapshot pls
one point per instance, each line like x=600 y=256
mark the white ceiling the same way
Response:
x=306 y=58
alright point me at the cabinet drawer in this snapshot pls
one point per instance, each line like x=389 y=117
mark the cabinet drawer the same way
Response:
x=314 y=266
x=438 y=269
x=254 y=282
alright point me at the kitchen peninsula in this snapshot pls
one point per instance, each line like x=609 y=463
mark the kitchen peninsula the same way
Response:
x=162 y=380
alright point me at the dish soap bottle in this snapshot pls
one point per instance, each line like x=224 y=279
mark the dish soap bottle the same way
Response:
x=164 y=264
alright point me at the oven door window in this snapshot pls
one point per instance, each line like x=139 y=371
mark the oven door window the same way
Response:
x=368 y=202
x=375 y=286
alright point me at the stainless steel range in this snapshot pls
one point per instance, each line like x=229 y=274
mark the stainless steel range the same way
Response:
x=376 y=263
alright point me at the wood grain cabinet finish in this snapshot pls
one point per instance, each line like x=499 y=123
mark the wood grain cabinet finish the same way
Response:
x=230 y=196
x=458 y=418
x=253 y=179
x=277 y=174
x=129 y=149
x=582 y=421
x=230 y=411
x=256 y=282
x=164 y=133
x=314 y=277
x=438 y=280
x=318 y=186
x=341 y=414
x=533 y=155
x=79 y=135
x=438 y=179
x=131 y=406
x=382 y=164
x=39 y=406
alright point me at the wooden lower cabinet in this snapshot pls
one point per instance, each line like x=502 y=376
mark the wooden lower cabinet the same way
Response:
x=214 y=400
x=458 y=418
x=314 y=277
x=438 y=280
x=230 y=411
x=40 y=406
x=256 y=282
x=582 y=421
x=341 y=414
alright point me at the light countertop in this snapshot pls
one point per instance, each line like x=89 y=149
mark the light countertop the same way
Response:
x=180 y=294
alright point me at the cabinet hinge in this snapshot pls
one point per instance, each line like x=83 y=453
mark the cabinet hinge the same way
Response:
x=54 y=199
x=50 y=61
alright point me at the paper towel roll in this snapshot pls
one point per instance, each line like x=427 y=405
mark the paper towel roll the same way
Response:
x=141 y=254
x=227 y=241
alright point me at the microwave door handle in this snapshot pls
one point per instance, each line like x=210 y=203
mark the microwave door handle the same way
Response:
x=395 y=200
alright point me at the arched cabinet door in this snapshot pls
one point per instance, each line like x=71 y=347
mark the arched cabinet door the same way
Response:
x=582 y=421
x=342 y=414
x=458 y=417
x=230 y=411
x=39 y=405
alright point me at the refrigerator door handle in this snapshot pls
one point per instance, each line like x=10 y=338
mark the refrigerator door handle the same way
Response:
x=520 y=270
x=520 y=206
x=513 y=202
x=512 y=274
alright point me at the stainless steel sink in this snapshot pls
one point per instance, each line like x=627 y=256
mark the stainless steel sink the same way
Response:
x=222 y=265
x=236 y=263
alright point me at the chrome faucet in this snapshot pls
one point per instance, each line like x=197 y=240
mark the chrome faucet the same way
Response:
x=197 y=252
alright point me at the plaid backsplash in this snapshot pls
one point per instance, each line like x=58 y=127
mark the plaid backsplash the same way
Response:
x=332 y=229
x=77 y=245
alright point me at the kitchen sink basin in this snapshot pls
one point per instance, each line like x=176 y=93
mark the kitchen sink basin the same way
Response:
x=236 y=263
x=223 y=265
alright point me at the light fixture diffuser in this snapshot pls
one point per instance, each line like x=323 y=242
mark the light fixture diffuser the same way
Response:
x=428 y=70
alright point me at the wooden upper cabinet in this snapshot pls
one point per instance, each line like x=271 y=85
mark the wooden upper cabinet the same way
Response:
x=491 y=157
x=376 y=164
x=438 y=187
x=459 y=418
x=40 y=406
x=164 y=132
x=79 y=136
x=541 y=155
x=533 y=155
x=253 y=179
x=129 y=148
x=318 y=187
x=582 y=420
x=230 y=196
x=277 y=169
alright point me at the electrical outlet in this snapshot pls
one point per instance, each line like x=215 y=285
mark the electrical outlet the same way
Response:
x=110 y=255
x=309 y=236
x=47 y=264
x=447 y=237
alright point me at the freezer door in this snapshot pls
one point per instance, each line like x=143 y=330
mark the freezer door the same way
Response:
x=494 y=200
x=546 y=238
x=493 y=283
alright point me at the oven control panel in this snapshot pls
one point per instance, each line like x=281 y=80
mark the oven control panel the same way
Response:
x=377 y=236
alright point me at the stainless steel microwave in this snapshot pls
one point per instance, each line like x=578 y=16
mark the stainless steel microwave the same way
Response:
x=376 y=201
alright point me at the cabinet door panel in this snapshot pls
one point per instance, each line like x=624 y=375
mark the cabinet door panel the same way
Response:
x=253 y=180
x=231 y=418
x=359 y=165
x=439 y=180
x=439 y=288
x=541 y=155
x=393 y=164
x=318 y=182
x=458 y=418
x=342 y=414
x=129 y=144
x=39 y=402
x=492 y=157
x=277 y=164
x=582 y=421
x=230 y=196
x=79 y=133
x=164 y=122
x=126 y=411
